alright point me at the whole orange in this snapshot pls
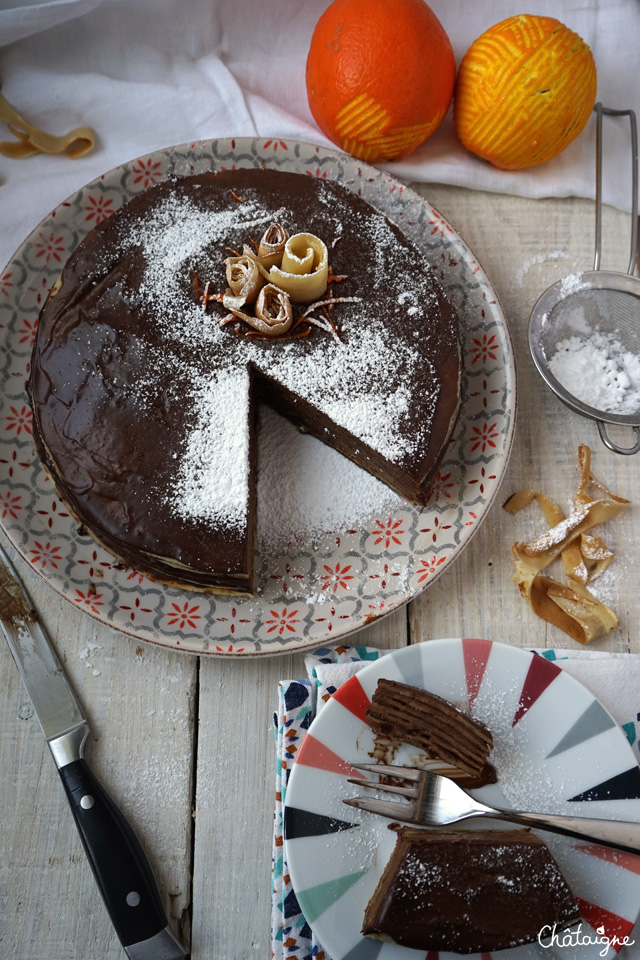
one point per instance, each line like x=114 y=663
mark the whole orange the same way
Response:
x=525 y=90
x=380 y=76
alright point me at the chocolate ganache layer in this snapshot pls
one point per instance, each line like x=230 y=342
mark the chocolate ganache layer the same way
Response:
x=468 y=891
x=145 y=396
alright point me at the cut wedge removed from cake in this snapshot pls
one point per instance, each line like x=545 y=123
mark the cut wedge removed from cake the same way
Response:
x=148 y=366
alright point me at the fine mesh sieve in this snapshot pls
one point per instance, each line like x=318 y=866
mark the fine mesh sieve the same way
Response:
x=599 y=308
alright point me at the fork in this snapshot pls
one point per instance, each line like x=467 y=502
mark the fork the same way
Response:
x=436 y=801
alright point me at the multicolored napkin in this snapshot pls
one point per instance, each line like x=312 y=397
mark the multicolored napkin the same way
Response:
x=613 y=678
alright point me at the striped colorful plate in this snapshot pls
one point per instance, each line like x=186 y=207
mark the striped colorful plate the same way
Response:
x=556 y=749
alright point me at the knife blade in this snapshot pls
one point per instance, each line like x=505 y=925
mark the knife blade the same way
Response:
x=118 y=861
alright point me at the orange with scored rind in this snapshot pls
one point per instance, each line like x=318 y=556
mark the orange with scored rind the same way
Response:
x=525 y=90
x=380 y=76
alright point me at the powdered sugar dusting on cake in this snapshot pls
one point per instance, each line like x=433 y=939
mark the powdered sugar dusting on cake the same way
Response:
x=213 y=479
x=359 y=380
x=369 y=419
x=173 y=237
x=375 y=416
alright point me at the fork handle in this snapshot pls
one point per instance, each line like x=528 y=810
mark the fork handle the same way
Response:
x=621 y=834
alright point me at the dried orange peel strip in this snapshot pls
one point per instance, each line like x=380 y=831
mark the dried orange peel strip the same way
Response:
x=571 y=608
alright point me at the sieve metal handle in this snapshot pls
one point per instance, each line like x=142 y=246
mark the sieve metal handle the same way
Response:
x=635 y=223
x=608 y=442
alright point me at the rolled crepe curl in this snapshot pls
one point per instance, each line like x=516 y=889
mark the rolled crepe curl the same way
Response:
x=571 y=608
x=284 y=270
x=244 y=279
x=273 y=312
x=303 y=269
x=271 y=246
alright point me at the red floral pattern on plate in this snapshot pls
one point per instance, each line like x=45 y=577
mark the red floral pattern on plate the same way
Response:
x=54 y=511
x=442 y=487
x=286 y=578
x=133 y=609
x=485 y=348
x=282 y=622
x=485 y=437
x=385 y=576
x=388 y=532
x=231 y=623
x=336 y=578
x=93 y=601
x=428 y=567
x=50 y=247
x=6 y=283
x=147 y=172
x=184 y=615
x=98 y=208
x=10 y=505
x=94 y=566
x=436 y=529
x=18 y=419
x=45 y=554
x=27 y=332
x=11 y=463
x=332 y=618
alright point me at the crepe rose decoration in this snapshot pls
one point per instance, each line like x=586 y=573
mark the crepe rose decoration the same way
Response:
x=272 y=313
x=244 y=279
x=571 y=607
x=271 y=246
x=283 y=270
x=304 y=269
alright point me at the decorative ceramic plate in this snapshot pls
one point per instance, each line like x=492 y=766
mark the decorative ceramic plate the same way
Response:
x=321 y=575
x=556 y=750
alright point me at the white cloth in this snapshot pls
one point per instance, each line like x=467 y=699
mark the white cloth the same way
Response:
x=146 y=74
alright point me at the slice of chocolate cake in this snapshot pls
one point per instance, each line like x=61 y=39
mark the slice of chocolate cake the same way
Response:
x=400 y=712
x=468 y=891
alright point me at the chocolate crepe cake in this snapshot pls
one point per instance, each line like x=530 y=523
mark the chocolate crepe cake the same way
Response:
x=399 y=712
x=144 y=394
x=468 y=891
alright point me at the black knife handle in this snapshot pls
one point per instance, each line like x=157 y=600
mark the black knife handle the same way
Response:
x=117 y=858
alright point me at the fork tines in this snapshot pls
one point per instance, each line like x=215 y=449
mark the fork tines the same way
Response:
x=392 y=809
x=405 y=773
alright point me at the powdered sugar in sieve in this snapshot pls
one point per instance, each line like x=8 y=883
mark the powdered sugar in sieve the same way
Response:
x=584 y=331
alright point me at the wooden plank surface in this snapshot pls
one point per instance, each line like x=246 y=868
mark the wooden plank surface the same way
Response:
x=186 y=746
x=139 y=701
x=525 y=246
x=234 y=801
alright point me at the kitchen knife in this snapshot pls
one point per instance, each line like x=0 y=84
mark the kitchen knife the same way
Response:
x=116 y=856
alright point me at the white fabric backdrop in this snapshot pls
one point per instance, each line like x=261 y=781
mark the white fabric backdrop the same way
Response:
x=146 y=74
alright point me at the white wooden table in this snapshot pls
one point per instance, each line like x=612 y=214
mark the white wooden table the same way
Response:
x=185 y=745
